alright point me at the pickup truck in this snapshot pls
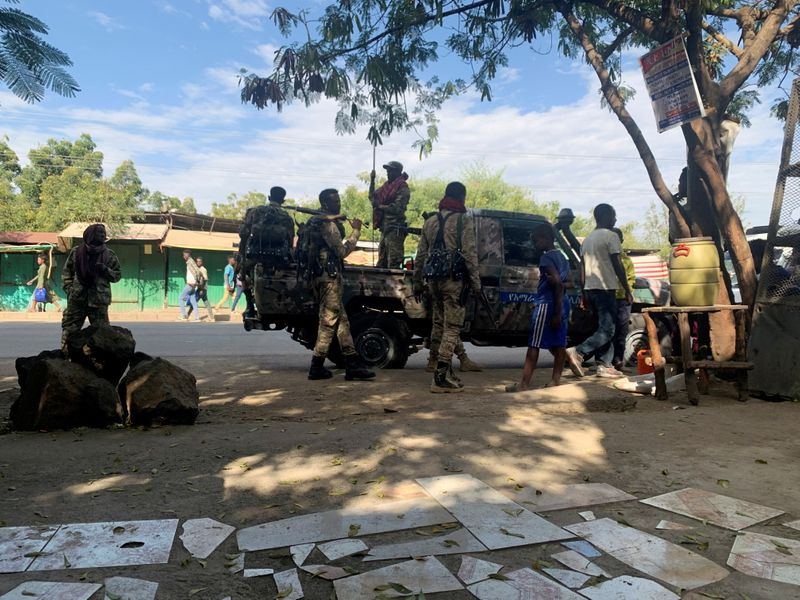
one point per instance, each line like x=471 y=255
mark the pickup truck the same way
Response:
x=388 y=324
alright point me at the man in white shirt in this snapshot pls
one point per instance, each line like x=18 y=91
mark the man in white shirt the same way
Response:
x=602 y=273
x=192 y=273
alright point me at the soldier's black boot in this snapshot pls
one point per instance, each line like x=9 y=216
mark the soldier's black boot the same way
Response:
x=318 y=370
x=442 y=383
x=353 y=369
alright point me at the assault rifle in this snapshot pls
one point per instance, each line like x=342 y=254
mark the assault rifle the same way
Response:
x=318 y=213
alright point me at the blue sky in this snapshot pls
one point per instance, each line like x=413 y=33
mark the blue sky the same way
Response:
x=159 y=86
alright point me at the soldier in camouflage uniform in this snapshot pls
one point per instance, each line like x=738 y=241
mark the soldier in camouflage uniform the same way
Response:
x=447 y=259
x=465 y=362
x=330 y=251
x=389 y=203
x=90 y=270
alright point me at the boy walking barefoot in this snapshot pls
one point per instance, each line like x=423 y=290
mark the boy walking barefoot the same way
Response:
x=550 y=314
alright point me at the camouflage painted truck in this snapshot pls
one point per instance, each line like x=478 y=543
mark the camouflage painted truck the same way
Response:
x=389 y=324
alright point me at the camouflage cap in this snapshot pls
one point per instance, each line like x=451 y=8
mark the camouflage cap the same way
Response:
x=393 y=164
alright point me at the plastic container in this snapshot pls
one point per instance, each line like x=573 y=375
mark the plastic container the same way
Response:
x=694 y=272
x=643 y=365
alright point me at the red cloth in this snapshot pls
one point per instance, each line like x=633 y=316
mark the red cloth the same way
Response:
x=452 y=204
x=385 y=195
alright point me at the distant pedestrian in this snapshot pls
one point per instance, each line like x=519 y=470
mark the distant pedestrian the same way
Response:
x=239 y=281
x=90 y=270
x=229 y=282
x=602 y=274
x=187 y=295
x=201 y=291
x=550 y=316
x=43 y=282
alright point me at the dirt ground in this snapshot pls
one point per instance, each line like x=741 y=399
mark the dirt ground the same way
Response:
x=270 y=444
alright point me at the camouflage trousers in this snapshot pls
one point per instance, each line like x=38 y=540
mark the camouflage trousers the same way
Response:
x=437 y=318
x=446 y=300
x=391 y=247
x=333 y=319
x=76 y=313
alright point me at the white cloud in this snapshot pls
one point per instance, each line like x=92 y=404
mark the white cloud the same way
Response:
x=105 y=21
x=266 y=52
x=248 y=14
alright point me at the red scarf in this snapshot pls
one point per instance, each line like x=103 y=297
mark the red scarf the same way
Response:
x=452 y=204
x=385 y=195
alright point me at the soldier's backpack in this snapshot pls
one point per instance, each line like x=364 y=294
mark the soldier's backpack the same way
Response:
x=441 y=263
x=270 y=233
x=307 y=250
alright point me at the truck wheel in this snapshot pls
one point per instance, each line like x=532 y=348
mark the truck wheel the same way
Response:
x=379 y=341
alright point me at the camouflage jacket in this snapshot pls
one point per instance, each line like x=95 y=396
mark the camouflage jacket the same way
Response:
x=100 y=293
x=393 y=212
x=333 y=245
x=468 y=244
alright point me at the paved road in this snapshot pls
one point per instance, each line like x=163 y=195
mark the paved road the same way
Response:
x=276 y=348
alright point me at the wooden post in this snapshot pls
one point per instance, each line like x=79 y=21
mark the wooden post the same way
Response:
x=741 y=354
x=686 y=356
x=655 y=354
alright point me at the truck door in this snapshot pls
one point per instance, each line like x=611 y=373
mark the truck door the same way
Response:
x=519 y=276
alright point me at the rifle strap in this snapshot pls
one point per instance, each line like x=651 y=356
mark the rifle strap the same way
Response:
x=459 y=232
x=439 y=242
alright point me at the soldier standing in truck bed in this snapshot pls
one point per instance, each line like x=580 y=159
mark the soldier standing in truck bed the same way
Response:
x=328 y=249
x=447 y=260
x=389 y=203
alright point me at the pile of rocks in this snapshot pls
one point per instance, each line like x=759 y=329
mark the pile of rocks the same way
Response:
x=87 y=387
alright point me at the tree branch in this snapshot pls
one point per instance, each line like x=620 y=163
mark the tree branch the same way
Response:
x=614 y=45
x=635 y=18
x=790 y=27
x=618 y=106
x=755 y=51
x=727 y=43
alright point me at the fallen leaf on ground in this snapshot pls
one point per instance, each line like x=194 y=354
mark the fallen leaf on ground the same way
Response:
x=723 y=483
x=505 y=531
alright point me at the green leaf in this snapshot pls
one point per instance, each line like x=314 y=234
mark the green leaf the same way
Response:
x=284 y=593
x=397 y=587
x=450 y=543
x=513 y=512
x=498 y=576
x=505 y=531
x=761 y=461
x=723 y=483
x=196 y=591
x=353 y=530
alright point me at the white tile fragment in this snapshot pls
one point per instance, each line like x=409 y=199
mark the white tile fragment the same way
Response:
x=16 y=542
x=578 y=562
x=111 y=544
x=494 y=519
x=257 y=572
x=571 y=579
x=341 y=548
x=628 y=588
x=288 y=584
x=428 y=576
x=236 y=564
x=300 y=553
x=536 y=585
x=493 y=589
x=766 y=556
x=201 y=537
x=583 y=547
x=672 y=526
x=128 y=588
x=723 y=511
x=326 y=571
x=473 y=570
x=455 y=542
x=587 y=515
x=793 y=524
x=320 y=527
x=52 y=590
x=574 y=495
x=649 y=554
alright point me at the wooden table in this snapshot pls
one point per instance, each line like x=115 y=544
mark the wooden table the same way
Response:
x=694 y=387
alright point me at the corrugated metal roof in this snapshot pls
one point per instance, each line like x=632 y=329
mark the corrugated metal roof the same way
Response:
x=29 y=237
x=131 y=231
x=201 y=240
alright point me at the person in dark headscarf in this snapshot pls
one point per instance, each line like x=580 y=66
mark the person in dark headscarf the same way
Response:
x=90 y=270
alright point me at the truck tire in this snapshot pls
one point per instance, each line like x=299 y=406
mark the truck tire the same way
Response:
x=380 y=341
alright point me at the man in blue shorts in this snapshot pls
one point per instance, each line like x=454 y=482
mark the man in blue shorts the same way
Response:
x=550 y=315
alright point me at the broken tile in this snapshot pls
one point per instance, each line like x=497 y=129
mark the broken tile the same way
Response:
x=793 y=525
x=628 y=588
x=766 y=556
x=494 y=519
x=326 y=571
x=128 y=588
x=455 y=542
x=493 y=589
x=300 y=553
x=320 y=527
x=723 y=511
x=672 y=525
x=52 y=590
x=473 y=570
x=587 y=515
x=573 y=495
x=257 y=572
x=578 y=562
x=428 y=576
x=235 y=564
x=341 y=548
x=112 y=544
x=583 y=547
x=536 y=585
x=201 y=537
x=571 y=579
x=649 y=554
x=288 y=584
x=16 y=542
